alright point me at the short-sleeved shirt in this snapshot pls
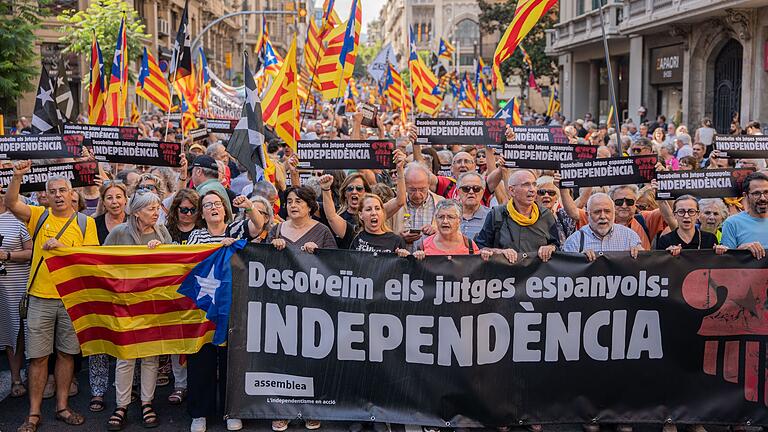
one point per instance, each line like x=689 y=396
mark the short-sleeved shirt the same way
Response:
x=386 y=242
x=319 y=234
x=430 y=248
x=700 y=240
x=619 y=238
x=43 y=286
x=654 y=221
x=742 y=228
x=472 y=226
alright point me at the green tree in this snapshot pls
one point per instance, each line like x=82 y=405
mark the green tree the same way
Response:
x=19 y=64
x=103 y=19
x=496 y=17
x=365 y=55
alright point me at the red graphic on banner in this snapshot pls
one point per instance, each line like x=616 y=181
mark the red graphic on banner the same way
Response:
x=741 y=315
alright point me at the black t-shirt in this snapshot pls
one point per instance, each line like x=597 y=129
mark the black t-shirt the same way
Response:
x=181 y=237
x=701 y=240
x=367 y=242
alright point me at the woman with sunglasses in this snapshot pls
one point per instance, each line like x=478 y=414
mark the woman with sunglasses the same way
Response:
x=352 y=190
x=183 y=215
x=110 y=213
x=686 y=235
x=207 y=368
x=548 y=195
x=141 y=228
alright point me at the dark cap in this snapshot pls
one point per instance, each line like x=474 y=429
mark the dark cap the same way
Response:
x=205 y=161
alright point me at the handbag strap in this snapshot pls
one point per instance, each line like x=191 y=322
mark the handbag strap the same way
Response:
x=58 y=236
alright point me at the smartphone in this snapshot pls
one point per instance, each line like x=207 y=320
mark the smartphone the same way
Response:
x=369 y=115
x=414 y=231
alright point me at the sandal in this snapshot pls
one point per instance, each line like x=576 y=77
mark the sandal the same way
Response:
x=177 y=396
x=96 y=404
x=73 y=419
x=28 y=426
x=116 y=422
x=149 y=418
x=163 y=380
x=18 y=389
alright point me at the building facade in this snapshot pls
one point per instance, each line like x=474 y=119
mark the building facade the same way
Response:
x=686 y=59
x=454 y=20
x=223 y=43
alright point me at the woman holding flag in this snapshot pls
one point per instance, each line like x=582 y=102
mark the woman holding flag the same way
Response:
x=207 y=369
x=141 y=228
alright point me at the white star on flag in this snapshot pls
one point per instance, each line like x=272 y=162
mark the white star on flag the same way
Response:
x=45 y=96
x=208 y=286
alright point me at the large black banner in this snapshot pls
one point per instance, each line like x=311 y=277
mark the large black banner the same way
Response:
x=714 y=183
x=20 y=147
x=608 y=171
x=345 y=154
x=460 y=342
x=742 y=146
x=484 y=131
x=79 y=174
x=121 y=145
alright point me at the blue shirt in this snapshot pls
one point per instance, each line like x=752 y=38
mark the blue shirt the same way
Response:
x=742 y=228
x=618 y=239
x=472 y=226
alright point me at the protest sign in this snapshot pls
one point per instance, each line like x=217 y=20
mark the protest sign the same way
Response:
x=121 y=145
x=21 y=147
x=471 y=131
x=608 y=171
x=546 y=156
x=345 y=154
x=459 y=342
x=79 y=173
x=220 y=125
x=714 y=183
x=742 y=146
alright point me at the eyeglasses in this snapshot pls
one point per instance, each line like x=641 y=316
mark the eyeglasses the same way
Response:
x=213 y=205
x=187 y=210
x=637 y=149
x=150 y=187
x=642 y=207
x=529 y=185
x=621 y=201
x=684 y=212
x=543 y=192
x=758 y=194
x=352 y=188
x=468 y=189
x=447 y=217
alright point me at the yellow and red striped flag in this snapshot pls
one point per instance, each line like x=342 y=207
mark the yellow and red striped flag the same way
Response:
x=132 y=301
x=135 y=115
x=280 y=106
x=471 y=100
x=484 y=105
x=151 y=84
x=338 y=61
x=517 y=119
x=397 y=92
x=423 y=82
x=188 y=119
x=117 y=92
x=187 y=87
x=527 y=14
x=97 y=113
x=327 y=70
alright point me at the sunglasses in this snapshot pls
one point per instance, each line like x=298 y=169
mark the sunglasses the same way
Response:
x=543 y=192
x=637 y=149
x=352 y=188
x=187 y=210
x=621 y=201
x=148 y=187
x=467 y=189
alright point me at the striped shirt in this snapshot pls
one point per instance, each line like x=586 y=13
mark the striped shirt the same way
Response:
x=618 y=239
x=235 y=230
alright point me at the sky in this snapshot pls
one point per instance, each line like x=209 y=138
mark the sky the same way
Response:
x=371 y=10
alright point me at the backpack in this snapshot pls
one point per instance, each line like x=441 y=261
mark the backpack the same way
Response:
x=82 y=223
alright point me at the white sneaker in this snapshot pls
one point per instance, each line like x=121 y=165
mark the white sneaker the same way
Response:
x=234 y=424
x=198 y=425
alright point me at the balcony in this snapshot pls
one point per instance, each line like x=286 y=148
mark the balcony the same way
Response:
x=642 y=15
x=585 y=28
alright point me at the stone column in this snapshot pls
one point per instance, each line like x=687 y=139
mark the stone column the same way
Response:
x=594 y=89
x=635 y=75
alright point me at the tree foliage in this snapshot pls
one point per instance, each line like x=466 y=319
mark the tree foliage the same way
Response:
x=497 y=17
x=19 y=63
x=102 y=18
x=365 y=55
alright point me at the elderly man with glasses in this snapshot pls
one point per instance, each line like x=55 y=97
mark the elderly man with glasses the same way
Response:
x=471 y=186
x=749 y=229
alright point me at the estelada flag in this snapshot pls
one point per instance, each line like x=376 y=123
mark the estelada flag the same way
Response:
x=132 y=301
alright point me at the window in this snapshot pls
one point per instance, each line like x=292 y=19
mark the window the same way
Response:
x=56 y=7
x=597 y=3
x=467 y=60
x=467 y=33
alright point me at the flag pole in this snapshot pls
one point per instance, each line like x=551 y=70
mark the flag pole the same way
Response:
x=611 y=88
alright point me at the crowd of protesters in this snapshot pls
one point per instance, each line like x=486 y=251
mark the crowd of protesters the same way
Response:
x=481 y=208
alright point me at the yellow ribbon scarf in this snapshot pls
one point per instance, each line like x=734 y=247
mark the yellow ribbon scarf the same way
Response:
x=520 y=218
